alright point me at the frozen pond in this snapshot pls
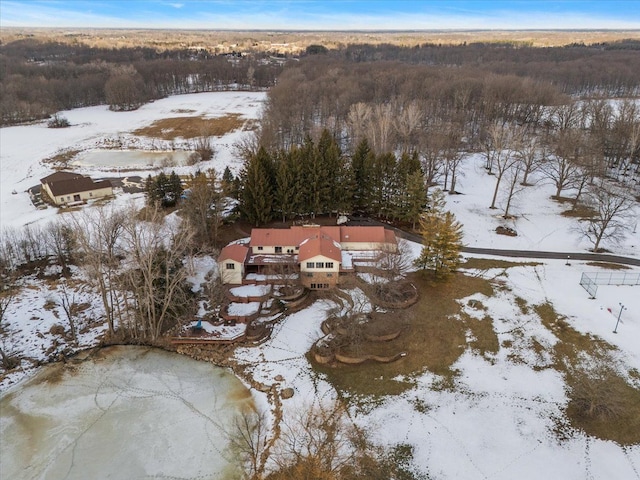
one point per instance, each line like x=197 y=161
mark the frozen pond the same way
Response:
x=131 y=159
x=128 y=413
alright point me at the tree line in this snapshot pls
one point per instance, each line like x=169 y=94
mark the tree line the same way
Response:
x=316 y=178
x=37 y=79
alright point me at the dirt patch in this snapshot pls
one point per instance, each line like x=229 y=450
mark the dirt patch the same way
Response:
x=191 y=127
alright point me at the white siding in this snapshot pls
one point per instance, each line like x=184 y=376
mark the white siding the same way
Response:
x=231 y=276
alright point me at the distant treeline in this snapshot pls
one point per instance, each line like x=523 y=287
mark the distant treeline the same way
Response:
x=38 y=79
x=607 y=68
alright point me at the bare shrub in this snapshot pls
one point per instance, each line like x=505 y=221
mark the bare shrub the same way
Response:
x=597 y=392
x=204 y=148
x=58 y=121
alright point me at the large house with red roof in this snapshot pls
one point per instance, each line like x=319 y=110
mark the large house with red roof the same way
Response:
x=319 y=254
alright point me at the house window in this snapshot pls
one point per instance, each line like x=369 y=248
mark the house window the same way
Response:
x=310 y=264
x=309 y=274
x=329 y=274
x=278 y=249
x=325 y=285
x=319 y=264
x=68 y=198
x=297 y=248
x=328 y=265
x=313 y=285
x=91 y=194
x=230 y=266
x=259 y=248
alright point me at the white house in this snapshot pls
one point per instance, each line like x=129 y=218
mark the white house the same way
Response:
x=231 y=263
x=315 y=251
x=65 y=188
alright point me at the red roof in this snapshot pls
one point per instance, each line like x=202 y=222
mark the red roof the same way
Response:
x=236 y=252
x=366 y=235
x=272 y=237
x=279 y=237
x=320 y=245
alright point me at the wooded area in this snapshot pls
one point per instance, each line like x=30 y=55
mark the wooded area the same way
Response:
x=37 y=79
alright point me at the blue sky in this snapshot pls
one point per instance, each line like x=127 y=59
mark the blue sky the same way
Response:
x=324 y=14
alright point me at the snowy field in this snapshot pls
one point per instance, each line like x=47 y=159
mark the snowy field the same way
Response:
x=498 y=422
x=23 y=148
x=537 y=218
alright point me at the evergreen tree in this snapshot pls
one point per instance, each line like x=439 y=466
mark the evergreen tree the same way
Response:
x=150 y=190
x=344 y=188
x=174 y=188
x=315 y=178
x=330 y=162
x=442 y=238
x=288 y=186
x=414 y=198
x=362 y=162
x=385 y=185
x=256 y=195
x=227 y=183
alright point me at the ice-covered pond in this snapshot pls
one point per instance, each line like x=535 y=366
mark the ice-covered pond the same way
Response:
x=130 y=159
x=127 y=413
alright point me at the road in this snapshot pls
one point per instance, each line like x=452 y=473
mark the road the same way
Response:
x=593 y=257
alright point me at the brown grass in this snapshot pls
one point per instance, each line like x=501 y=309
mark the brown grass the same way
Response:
x=61 y=159
x=488 y=263
x=579 y=211
x=623 y=424
x=191 y=127
x=433 y=341
x=608 y=265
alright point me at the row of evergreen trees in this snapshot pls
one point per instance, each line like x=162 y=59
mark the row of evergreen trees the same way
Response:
x=316 y=178
x=163 y=189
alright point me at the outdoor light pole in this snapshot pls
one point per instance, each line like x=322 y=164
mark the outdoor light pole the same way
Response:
x=622 y=307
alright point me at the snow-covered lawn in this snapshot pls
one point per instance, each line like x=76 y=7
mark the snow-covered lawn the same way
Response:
x=23 y=148
x=537 y=218
x=251 y=290
x=243 y=309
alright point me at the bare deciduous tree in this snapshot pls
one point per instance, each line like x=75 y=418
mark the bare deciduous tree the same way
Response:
x=8 y=292
x=610 y=221
x=563 y=166
x=249 y=440
x=498 y=151
x=98 y=233
x=156 y=274
x=69 y=305
x=530 y=154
